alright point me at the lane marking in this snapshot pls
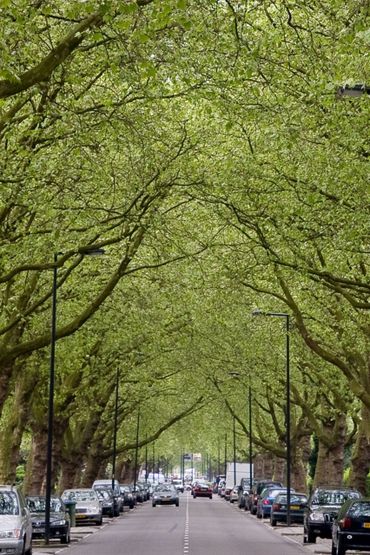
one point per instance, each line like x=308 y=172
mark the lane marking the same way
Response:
x=186 y=532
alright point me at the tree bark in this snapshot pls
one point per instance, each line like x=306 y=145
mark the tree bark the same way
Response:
x=360 y=462
x=330 y=459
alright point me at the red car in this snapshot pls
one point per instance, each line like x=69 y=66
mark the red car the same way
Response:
x=202 y=489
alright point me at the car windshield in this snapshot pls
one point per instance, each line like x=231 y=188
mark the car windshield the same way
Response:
x=38 y=504
x=104 y=494
x=334 y=497
x=8 y=503
x=361 y=508
x=77 y=495
x=165 y=488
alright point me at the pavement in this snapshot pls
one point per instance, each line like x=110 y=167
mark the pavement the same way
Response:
x=78 y=533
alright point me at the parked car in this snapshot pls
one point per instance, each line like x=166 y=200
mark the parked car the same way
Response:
x=88 y=508
x=129 y=499
x=298 y=502
x=244 y=491
x=322 y=508
x=202 y=489
x=351 y=528
x=60 y=524
x=116 y=491
x=266 y=499
x=234 y=494
x=107 y=501
x=251 y=500
x=165 y=494
x=221 y=489
x=15 y=522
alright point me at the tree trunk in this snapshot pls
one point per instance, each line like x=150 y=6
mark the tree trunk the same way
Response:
x=36 y=466
x=360 y=462
x=299 y=464
x=330 y=459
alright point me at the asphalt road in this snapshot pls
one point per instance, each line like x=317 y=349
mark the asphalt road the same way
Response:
x=198 y=527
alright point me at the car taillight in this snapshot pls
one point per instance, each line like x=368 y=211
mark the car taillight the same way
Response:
x=265 y=502
x=346 y=522
x=276 y=507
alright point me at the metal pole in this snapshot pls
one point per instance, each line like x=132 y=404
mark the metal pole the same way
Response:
x=225 y=468
x=218 y=457
x=137 y=447
x=146 y=462
x=192 y=467
x=115 y=424
x=234 y=449
x=153 y=462
x=250 y=438
x=288 y=445
x=49 y=451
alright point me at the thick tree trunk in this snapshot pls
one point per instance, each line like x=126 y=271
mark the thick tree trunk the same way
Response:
x=360 y=462
x=128 y=472
x=263 y=466
x=299 y=464
x=92 y=468
x=36 y=466
x=330 y=459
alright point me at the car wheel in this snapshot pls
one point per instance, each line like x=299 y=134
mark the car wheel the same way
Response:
x=153 y=504
x=311 y=536
x=253 y=511
x=194 y=496
x=210 y=496
x=273 y=521
x=99 y=522
x=131 y=506
x=177 y=503
x=341 y=550
x=258 y=515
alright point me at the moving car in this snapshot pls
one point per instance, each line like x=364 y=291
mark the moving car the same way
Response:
x=202 y=489
x=165 y=494
x=15 y=522
x=88 y=508
x=278 y=512
x=322 y=508
x=60 y=525
x=351 y=528
x=178 y=485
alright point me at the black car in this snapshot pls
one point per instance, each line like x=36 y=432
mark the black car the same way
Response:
x=322 y=508
x=251 y=500
x=298 y=503
x=243 y=492
x=129 y=499
x=351 y=528
x=60 y=526
x=108 y=503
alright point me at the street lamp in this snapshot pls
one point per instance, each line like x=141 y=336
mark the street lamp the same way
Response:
x=115 y=426
x=258 y=312
x=250 y=437
x=136 y=446
x=234 y=450
x=53 y=339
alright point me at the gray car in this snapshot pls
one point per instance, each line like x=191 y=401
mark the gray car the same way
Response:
x=88 y=508
x=15 y=522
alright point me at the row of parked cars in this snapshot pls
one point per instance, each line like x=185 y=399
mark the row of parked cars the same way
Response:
x=338 y=513
x=22 y=518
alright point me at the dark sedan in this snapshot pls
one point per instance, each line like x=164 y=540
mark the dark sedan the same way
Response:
x=298 y=502
x=59 y=518
x=322 y=508
x=351 y=528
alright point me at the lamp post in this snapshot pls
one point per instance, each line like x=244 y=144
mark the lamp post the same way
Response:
x=286 y=316
x=53 y=340
x=250 y=437
x=225 y=465
x=115 y=425
x=234 y=449
x=137 y=446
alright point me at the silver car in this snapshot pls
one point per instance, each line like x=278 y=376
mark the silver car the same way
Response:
x=88 y=507
x=15 y=522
